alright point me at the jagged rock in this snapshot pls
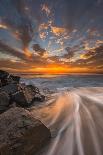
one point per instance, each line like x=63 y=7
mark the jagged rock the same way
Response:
x=21 y=94
x=21 y=133
x=3 y=74
x=3 y=77
x=7 y=78
x=15 y=79
x=27 y=96
x=11 y=88
x=4 y=102
x=39 y=98
x=20 y=99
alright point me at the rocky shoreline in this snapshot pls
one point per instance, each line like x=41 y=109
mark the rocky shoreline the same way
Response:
x=20 y=131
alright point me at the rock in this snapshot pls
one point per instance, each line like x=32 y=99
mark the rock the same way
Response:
x=27 y=96
x=39 y=98
x=11 y=88
x=3 y=74
x=4 y=102
x=21 y=133
x=21 y=94
x=7 y=78
x=15 y=79
x=3 y=77
x=20 y=100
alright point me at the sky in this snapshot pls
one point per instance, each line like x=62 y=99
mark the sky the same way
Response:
x=51 y=36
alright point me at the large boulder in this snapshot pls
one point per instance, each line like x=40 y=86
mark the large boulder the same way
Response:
x=4 y=102
x=21 y=133
x=22 y=95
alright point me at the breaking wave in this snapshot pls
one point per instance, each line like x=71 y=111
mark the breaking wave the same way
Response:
x=75 y=118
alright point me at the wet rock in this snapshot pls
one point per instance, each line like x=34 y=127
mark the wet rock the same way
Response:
x=3 y=77
x=11 y=88
x=20 y=99
x=6 y=78
x=21 y=133
x=27 y=96
x=39 y=98
x=21 y=94
x=4 y=102
x=3 y=74
x=15 y=79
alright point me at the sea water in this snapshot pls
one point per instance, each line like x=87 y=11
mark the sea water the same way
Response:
x=73 y=113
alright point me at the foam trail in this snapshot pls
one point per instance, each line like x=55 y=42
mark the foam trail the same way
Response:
x=93 y=132
x=70 y=118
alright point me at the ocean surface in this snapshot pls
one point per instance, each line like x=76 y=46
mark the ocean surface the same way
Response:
x=54 y=82
x=73 y=112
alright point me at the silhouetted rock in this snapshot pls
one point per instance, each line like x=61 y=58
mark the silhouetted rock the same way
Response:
x=15 y=79
x=3 y=74
x=21 y=133
x=6 y=78
x=3 y=77
x=39 y=98
x=21 y=94
x=4 y=102
x=11 y=88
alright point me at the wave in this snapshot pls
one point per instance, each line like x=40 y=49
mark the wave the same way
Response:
x=75 y=118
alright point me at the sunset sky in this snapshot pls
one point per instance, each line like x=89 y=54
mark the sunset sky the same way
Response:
x=51 y=36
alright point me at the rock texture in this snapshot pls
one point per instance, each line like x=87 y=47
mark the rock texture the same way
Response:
x=21 y=133
x=21 y=94
x=4 y=101
x=6 y=78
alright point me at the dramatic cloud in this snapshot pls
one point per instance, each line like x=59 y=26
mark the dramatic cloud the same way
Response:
x=39 y=50
x=37 y=34
x=58 y=30
x=46 y=9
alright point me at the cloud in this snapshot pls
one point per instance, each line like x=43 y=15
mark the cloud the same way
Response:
x=58 y=30
x=39 y=50
x=46 y=9
x=43 y=35
x=70 y=52
x=92 y=58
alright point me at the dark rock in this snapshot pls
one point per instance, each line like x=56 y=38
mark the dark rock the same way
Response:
x=20 y=99
x=3 y=77
x=3 y=74
x=15 y=79
x=6 y=78
x=11 y=88
x=4 y=102
x=27 y=96
x=20 y=94
x=39 y=98
x=21 y=133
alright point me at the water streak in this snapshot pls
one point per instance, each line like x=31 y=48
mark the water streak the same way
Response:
x=75 y=120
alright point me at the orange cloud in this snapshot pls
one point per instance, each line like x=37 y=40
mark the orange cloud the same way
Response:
x=27 y=53
x=43 y=26
x=58 y=30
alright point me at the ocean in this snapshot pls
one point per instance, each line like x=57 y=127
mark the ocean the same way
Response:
x=54 y=82
x=73 y=112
